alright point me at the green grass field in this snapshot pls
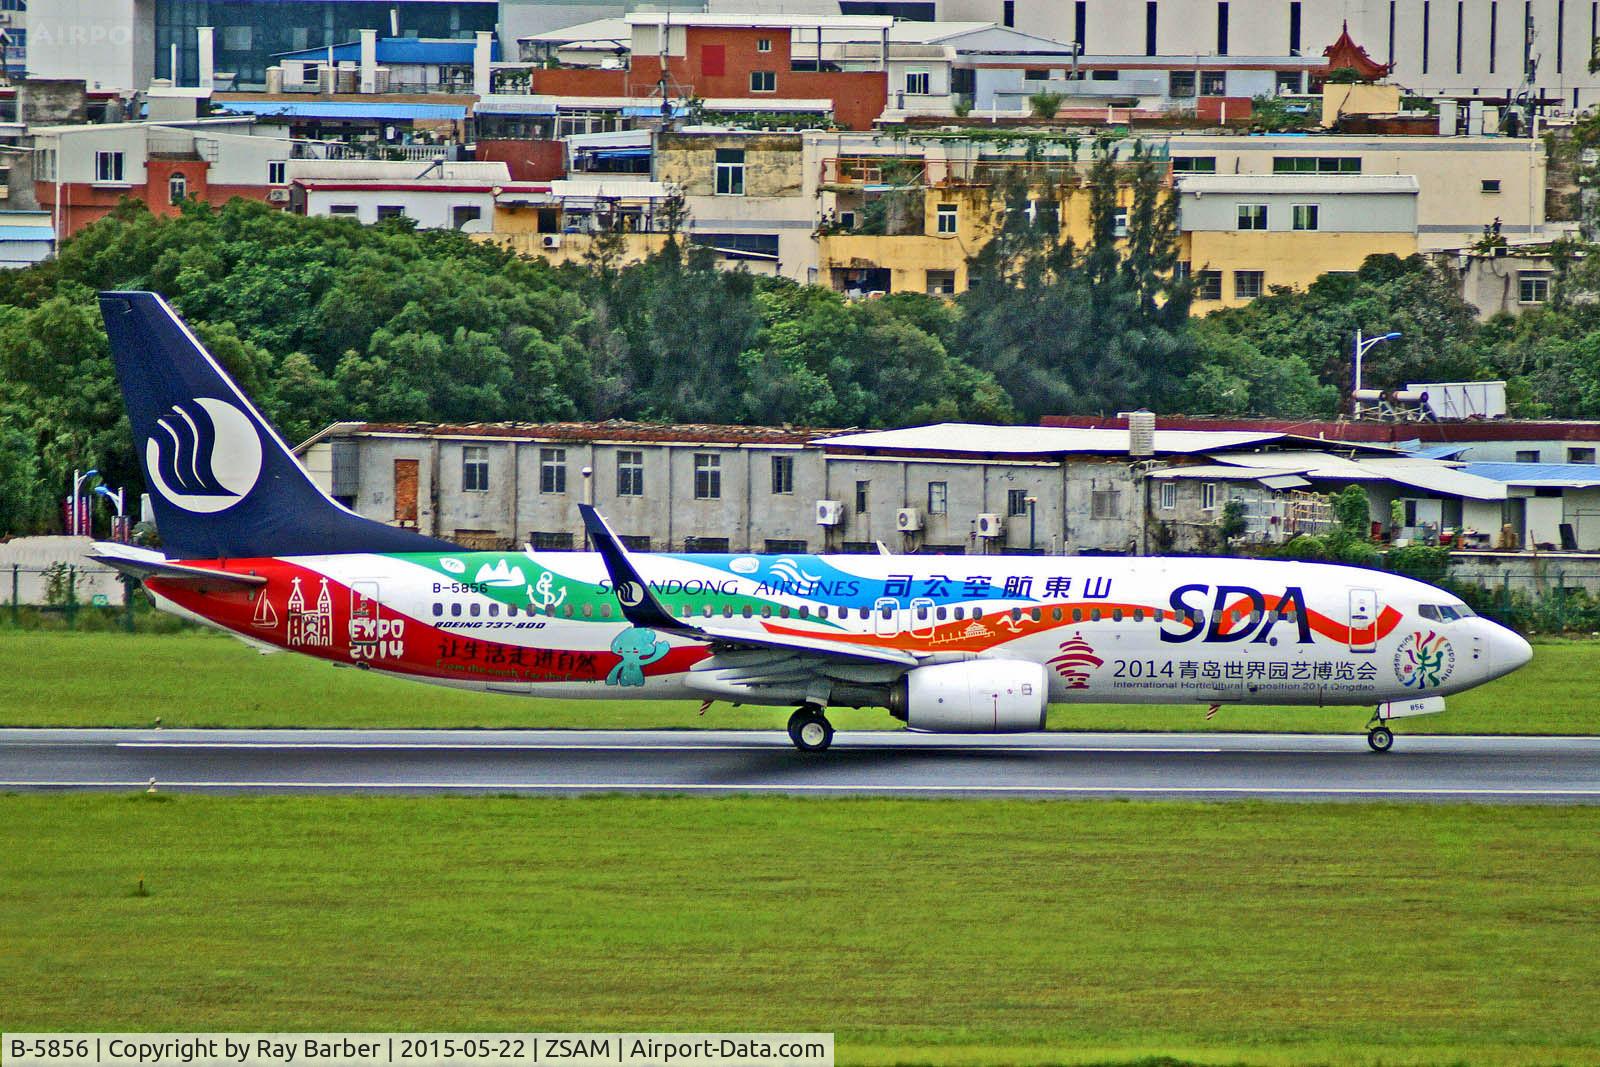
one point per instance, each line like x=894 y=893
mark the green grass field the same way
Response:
x=198 y=679
x=919 y=931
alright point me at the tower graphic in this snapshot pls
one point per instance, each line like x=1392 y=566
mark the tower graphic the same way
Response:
x=313 y=628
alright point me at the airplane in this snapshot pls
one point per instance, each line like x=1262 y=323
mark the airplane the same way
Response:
x=947 y=644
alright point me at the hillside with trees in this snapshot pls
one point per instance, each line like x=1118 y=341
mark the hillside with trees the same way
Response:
x=324 y=319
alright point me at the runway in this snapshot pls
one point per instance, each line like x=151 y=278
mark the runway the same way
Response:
x=1563 y=770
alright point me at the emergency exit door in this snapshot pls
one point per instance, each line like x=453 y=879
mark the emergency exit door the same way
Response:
x=1363 y=620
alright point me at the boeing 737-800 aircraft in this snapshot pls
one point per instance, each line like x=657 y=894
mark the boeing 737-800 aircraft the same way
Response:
x=959 y=644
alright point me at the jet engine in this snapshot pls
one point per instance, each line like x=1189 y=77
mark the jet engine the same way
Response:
x=985 y=696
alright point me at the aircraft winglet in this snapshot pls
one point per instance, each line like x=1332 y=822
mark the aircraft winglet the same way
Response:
x=639 y=604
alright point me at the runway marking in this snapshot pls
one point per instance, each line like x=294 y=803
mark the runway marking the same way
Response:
x=728 y=746
x=621 y=787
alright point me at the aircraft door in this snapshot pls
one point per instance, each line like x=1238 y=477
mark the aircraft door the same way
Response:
x=1363 y=620
x=922 y=620
x=365 y=614
x=886 y=617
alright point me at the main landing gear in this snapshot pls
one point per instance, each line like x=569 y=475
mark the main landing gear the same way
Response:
x=1380 y=738
x=810 y=729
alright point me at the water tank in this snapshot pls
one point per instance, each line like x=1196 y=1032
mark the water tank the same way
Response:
x=1141 y=433
x=275 y=79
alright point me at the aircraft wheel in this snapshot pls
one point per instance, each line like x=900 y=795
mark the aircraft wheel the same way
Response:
x=810 y=730
x=1380 y=738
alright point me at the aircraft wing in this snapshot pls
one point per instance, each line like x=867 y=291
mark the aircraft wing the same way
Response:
x=640 y=607
x=141 y=563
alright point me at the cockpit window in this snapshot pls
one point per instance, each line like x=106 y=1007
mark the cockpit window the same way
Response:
x=1444 y=612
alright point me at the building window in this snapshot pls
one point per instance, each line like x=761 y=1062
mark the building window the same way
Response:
x=1490 y=185
x=475 y=469
x=1016 y=501
x=342 y=209
x=1105 y=504
x=1035 y=74
x=947 y=218
x=1008 y=13
x=1580 y=455
x=763 y=81
x=1213 y=83
x=461 y=214
x=1530 y=455
x=552 y=470
x=177 y=189
x=1305 y=216
x=941 y=282
x=862 y=489
x=1208 y=496
x=917 y=83
x=1222 y=27
x=783 y=475
x=630 y=473
x=1180 y=86
x=1194 y=164
x=390 y=211
x=707 y=476
x=551 y=541
x=730 y=172
x=1533 y=287
x=1252 y=216
x=1119 y=222
x=763 y=44
x=1208 y=285
x=1247 y=284
x=938 y=497
x=1316 y=164
x=276 y=172
x=776 y=546
x=1169 y=495
x=1150 y=28
x=108 y=166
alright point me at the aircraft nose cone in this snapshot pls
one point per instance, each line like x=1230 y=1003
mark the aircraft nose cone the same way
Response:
x=1511 y=651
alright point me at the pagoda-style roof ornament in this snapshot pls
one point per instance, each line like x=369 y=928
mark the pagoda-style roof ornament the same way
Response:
x=1346 y=53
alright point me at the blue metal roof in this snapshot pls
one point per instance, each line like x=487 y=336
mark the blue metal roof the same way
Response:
x=1568 y=474
x=1434 y=451
x=396 y=50
x=334 y=109
x=26 y=233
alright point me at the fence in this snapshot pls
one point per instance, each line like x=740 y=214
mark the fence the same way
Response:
x=66 y=591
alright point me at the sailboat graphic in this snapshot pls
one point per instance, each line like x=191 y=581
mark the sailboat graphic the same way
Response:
x=266 y=616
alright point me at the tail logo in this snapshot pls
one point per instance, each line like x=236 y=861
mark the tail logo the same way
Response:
x=204 y=456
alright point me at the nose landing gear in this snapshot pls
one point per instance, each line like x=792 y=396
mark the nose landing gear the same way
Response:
x=1380 y=738
x=810 y=729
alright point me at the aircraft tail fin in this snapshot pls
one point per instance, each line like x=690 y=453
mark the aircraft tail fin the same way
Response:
x=221 y=480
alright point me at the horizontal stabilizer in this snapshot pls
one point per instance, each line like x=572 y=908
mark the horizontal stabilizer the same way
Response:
x=141 y=563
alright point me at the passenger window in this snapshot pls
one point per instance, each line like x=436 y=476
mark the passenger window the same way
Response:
x=1116 y=615
x=960 y=613
x=475 y=609
x=727 y=611
x=1077 y=614
x=438 y=610
x=886 y=612
x=1055 y=614
x=1037 y=614
x=511 y=610
x=745 y=611
x=1138 y=615
x=708 y=611
x=805 y=611
x=494 y=611
x=605 y=611
x=922 y=611
x=783 y=612
x=588 y=611
x=865 y=613
x=766 y=611
x=977 y=612
x=939 y=613
x=455 y=611
x=822 y=611
x=1094 y=616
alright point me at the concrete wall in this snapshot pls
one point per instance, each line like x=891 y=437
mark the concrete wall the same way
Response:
x=431 y=210
x=109 y=44
x=34 y=555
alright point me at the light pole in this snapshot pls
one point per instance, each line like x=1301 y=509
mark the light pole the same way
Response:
x=74 y=522
x=119 y=524
x=1362 y=346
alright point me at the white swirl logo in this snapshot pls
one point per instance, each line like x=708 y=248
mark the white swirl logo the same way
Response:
x=205 y=457
x=630 y=593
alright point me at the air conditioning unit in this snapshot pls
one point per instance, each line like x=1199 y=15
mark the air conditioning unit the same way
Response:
x=830 y=513
x=908 y=520
x=991 y=525
x=278 y=196
x=550 y=240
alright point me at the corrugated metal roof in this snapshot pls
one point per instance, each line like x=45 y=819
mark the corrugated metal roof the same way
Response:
x=1430 y=475
x=395 y=50
x=1567 y=475
x=977 y=439
x=615 y=430
x=334 y=109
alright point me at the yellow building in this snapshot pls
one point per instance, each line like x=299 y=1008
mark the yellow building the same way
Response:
x=902 y=224
x=1242 y=234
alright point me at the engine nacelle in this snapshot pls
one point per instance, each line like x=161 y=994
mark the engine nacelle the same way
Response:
x=983 y=696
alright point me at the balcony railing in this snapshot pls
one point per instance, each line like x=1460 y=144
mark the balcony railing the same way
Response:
x=905 y=172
